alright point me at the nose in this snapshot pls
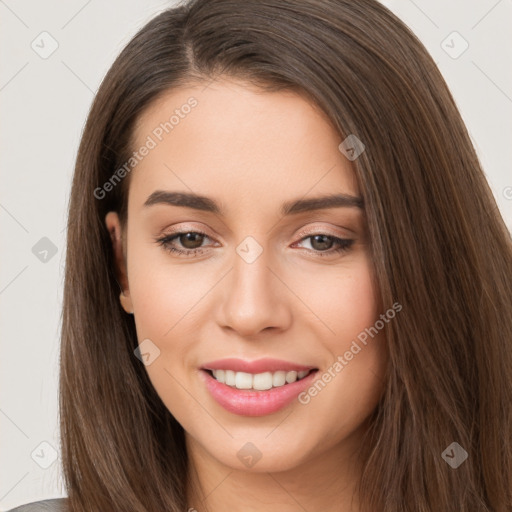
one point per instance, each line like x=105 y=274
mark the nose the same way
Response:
x=255 y=298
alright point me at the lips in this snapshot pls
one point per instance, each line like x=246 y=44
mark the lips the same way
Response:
x=252 y=402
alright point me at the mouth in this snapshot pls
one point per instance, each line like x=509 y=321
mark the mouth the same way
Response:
x=258 y=381
x=256 y=388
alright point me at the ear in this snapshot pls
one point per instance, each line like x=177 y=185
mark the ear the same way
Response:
x=116 y=235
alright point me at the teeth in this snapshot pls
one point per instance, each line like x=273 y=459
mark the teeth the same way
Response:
x=229 y=377
x=278 y=379
x=291 y=377
x=258 y=381
x=243 y=380
x=261 y=381
x=221 y=375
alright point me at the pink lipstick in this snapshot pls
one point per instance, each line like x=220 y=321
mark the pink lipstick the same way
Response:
x=255 y=388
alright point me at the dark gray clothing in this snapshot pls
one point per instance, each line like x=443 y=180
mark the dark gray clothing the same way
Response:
x=55 y=505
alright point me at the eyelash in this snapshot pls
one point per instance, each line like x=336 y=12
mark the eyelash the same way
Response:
x=344 y=244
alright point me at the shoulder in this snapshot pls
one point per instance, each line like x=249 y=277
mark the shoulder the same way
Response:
x=55 y=505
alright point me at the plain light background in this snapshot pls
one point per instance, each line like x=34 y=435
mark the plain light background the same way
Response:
x=44 y=104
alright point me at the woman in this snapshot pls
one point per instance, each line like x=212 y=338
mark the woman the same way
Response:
x=288 y=285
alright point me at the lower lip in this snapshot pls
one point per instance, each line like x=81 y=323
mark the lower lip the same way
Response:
x=255 y=403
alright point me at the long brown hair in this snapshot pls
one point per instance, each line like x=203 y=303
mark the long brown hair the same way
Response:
x=438 y=245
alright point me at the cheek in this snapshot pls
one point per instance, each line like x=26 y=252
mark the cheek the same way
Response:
x=343 y=299
x=163 y=297
x=350 y=384
x=163 y=292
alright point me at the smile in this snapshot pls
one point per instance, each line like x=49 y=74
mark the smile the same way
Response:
x=255 y=388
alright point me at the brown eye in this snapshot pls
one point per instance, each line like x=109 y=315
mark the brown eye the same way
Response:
x=186 y=243
x=191 y=240
x=321 y=242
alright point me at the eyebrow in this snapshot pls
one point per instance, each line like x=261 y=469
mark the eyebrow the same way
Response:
x=198 y=202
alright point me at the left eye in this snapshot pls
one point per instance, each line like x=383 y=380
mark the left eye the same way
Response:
x=318 y=243
x=191 y=243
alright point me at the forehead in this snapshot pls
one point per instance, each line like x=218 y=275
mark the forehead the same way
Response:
x=237 y=142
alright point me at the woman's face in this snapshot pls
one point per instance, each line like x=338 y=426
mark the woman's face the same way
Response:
x=291 y=290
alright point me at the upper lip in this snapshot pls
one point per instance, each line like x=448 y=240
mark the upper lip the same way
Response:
x=257 y=366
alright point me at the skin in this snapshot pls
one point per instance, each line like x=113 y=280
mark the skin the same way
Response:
x=251 y=151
